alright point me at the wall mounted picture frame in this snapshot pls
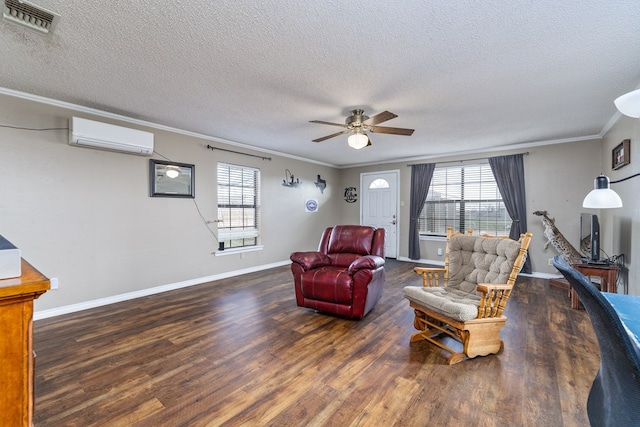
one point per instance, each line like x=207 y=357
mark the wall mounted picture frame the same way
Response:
x=171 y=179
x=621 y=155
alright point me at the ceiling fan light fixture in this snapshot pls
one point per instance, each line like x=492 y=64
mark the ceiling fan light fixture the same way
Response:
x=358 y=124
x=629 y=104
x=358 y=140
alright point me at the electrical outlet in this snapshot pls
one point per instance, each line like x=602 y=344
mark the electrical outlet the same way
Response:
x=550 y=261
x=53 y=282
x=439 y=251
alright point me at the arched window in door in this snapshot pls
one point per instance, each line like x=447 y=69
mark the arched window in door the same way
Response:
x=378 y=183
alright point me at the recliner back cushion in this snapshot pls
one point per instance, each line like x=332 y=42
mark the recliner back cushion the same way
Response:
x=343 y=260
x=351 y=239
x=474 y=260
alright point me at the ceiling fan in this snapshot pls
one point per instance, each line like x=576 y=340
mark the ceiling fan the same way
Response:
x=358 y=124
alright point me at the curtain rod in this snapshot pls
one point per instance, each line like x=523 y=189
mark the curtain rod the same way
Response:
x=238 y=152
x=526 y=153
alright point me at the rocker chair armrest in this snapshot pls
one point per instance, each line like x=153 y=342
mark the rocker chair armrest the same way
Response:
x=430 y=276
x=420 y=270
x=493 y=300
x=486 y=287
x=310 y=260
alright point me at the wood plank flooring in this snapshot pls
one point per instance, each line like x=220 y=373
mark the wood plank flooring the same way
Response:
x=239 y=352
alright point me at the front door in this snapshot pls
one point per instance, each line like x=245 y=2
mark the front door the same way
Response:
x=379 y=206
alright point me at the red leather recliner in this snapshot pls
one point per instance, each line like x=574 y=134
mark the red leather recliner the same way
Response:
x=346 y=275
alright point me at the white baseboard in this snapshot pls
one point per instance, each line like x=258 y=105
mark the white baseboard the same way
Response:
x=43 y=314
x=422 y=261
x=539 y=275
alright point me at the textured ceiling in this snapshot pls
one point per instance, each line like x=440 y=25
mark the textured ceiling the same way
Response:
x=468 y=76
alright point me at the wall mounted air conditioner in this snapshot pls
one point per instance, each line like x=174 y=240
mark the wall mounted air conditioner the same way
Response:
x=91 y=134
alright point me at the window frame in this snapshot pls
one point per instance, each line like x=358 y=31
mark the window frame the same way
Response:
x=461 y=222
x=246 y=226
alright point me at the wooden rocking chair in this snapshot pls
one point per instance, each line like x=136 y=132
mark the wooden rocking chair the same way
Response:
x=478 y=276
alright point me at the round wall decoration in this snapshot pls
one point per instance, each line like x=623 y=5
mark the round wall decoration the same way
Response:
x=350 y=194
x=311 y=205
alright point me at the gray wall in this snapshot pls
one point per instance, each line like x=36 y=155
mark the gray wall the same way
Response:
x=85 y=216
x=557 y=179
x=620 y=228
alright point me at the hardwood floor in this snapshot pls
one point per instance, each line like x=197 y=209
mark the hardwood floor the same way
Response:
x=239 y=352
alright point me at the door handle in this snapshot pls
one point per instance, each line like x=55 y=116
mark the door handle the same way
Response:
x=393 y=222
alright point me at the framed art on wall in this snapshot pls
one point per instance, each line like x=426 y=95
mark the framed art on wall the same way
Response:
x=621 y=155
x=171 y=179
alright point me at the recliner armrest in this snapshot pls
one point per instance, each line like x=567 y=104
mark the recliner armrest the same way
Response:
x=369 y=262
x=310 y=260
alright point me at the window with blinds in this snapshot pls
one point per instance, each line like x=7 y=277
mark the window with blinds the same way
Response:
x=464 y=197
x=238 y=206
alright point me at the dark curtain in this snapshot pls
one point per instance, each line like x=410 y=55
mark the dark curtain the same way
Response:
x=509 y=174
x=420 y=181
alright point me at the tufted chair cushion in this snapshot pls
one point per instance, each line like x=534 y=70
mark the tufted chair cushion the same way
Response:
x=473 y=260
x=454 y=303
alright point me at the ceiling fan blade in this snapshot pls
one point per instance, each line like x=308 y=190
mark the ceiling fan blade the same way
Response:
x=379 y=118
x=331 y=136
x=395 y=131
x=328 y=123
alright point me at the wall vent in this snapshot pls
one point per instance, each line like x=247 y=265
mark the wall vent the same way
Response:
x=29 y=15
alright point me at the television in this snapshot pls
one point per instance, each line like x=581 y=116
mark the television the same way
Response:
x=590 y=237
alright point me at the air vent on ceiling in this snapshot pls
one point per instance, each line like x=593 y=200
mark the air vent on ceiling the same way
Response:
x=29 y=15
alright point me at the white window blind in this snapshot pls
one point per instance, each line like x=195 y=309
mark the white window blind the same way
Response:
x=464 y=197
x=238 y=205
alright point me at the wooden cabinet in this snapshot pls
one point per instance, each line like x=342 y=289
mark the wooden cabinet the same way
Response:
x=16 y=345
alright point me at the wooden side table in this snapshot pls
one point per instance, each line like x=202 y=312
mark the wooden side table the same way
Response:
x=16 y=345
x=608 y=274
